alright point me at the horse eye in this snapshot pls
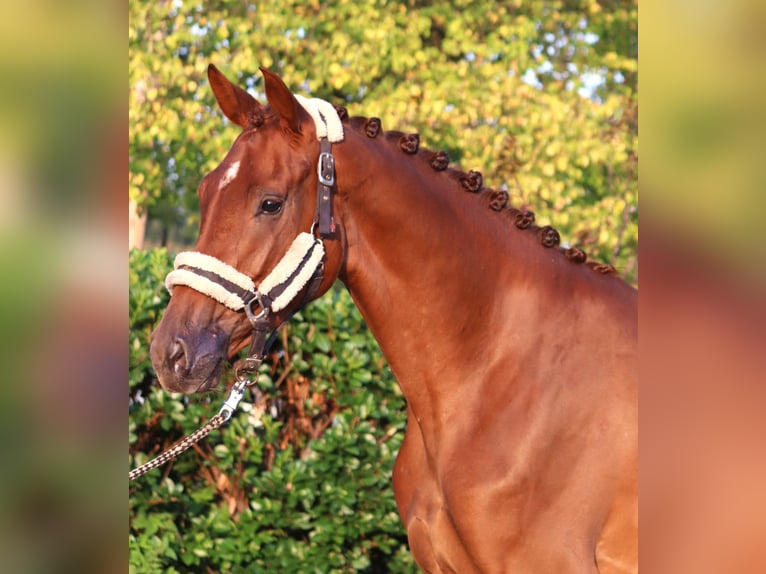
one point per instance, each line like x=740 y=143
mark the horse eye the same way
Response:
x=271 y=206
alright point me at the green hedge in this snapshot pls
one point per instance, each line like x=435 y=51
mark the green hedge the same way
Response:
x=305 y=489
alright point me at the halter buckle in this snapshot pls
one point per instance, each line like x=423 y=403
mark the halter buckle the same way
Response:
x=326 y=169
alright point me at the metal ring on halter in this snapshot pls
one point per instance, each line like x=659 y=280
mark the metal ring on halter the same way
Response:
x=257 y=298
x=243 y=375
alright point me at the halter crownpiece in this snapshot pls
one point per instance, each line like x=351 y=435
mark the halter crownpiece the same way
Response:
x=329 y=130
x=326 y=119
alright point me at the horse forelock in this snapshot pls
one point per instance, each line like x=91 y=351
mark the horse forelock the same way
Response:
x=472 y=183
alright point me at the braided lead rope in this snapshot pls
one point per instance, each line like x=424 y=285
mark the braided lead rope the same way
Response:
x=178 y=448
x=228 y=408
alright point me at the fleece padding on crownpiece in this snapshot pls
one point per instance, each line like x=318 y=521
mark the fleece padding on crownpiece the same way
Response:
x=325 y=118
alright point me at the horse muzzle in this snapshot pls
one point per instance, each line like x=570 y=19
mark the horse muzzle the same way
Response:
x=189 y=363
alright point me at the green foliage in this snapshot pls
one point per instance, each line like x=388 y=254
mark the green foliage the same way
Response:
x=306 y=489
x=540 y=95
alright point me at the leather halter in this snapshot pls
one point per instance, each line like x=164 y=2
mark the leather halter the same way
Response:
x=301 y=266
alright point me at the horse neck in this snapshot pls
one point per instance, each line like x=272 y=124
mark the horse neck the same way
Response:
x=421 y=260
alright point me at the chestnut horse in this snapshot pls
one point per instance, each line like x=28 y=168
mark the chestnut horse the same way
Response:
x=517 y=358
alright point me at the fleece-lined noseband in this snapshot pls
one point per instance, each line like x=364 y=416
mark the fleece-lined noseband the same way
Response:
x=236 y=290
x=303 y=262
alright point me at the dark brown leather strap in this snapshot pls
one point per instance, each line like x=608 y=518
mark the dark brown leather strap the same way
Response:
x=259 y=345
x=326 y=173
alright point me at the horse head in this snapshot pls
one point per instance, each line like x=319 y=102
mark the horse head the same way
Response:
x=258 y=234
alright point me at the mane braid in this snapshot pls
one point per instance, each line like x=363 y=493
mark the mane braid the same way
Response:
x=472 y=183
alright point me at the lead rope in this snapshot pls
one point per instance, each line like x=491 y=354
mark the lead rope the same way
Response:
x=216 y=421
x=180 y=447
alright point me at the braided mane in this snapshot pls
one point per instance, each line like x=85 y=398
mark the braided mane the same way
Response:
x=472 y=182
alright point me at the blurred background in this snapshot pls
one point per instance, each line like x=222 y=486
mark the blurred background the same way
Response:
x=63 y=285
x=540 y=96
x=702 y=325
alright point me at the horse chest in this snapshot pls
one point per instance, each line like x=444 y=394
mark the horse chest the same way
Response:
x=434 y=541
x=476 y=511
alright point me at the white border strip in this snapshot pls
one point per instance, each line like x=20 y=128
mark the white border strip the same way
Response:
x=204 y=286
x=300 y=280
x=210 y=263
x=289 y=263
x=331 y=120
x=310 y=107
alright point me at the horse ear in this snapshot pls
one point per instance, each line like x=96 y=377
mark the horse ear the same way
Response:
x=282 y=100
x=236 y=104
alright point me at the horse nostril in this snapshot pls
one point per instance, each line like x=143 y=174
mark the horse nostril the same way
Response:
x=177 y=350
x=177 y=356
